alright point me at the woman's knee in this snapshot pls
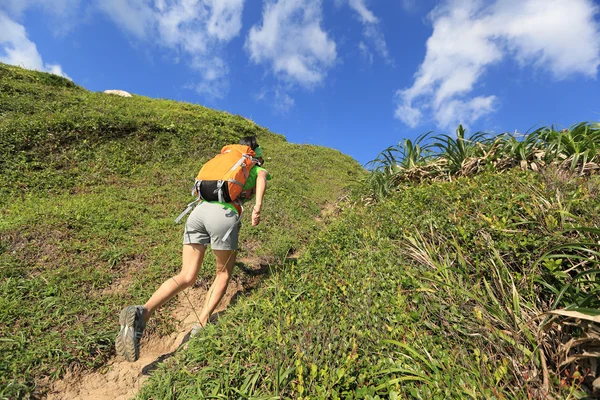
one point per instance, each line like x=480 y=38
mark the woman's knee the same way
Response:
x=185 y=280
x=224 y=273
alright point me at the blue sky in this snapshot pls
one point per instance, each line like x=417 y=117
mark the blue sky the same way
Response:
x=354 y=75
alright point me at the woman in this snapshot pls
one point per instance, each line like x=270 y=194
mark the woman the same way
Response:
x=211 y=223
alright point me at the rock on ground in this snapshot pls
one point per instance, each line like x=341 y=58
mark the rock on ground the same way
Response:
x=121 y=93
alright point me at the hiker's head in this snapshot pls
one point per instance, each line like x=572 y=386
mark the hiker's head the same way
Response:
x=252 y=142
x=249 y=141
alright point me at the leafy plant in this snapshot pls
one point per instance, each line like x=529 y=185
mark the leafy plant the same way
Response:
x=447 y=157
x=574 y=267
x=576 y=147
x=457 y=150
x=571 y=335
x=522 y=152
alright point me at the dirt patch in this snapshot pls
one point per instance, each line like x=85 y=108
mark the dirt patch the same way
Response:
x=327 y=210
x=131 y=270
x=121 y=379
x=38 y=246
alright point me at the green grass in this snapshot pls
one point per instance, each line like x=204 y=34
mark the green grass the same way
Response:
x=426 y=295
x=429 y=280
x=92 y=186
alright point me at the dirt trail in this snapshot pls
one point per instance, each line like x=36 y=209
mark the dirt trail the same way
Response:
x=122 y=379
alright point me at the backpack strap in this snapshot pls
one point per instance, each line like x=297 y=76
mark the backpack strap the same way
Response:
x=247 y=160
x=243 y=161
x=219 y=191
x=187 y=209
x=196 y=188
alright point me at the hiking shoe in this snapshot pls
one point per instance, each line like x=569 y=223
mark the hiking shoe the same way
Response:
x=132 y=326
x=195 y=330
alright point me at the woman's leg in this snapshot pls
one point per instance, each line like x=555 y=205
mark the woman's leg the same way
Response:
x=192 y=257
x=225 y=264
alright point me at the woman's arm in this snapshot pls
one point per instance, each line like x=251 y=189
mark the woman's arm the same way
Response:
x=261 y=186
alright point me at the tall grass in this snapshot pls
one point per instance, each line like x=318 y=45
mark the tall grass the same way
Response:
x=426 y=294
x=474 y=285
x=575 y=148
x=571 y=334
x=457 y=150
x=512 y=298
x=448 y=156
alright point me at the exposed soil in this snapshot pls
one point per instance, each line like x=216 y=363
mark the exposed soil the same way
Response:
x=328 y=210
x=121 y=379
x=130 y=272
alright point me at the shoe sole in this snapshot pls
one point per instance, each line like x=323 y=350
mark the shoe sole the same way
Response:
x=125 y=342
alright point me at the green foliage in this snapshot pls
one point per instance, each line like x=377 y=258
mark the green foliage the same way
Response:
x=574 y=150
x=11 y=76
x=393 y=162
x=427 y=294
x=405 y=155
x=434 y=291
x=459 y=149
x=91 y=186
x=572 y=271
x=575 y=147
x=519 y=150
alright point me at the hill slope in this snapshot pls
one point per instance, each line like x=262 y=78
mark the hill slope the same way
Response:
x=91 y=185
x=434 y=292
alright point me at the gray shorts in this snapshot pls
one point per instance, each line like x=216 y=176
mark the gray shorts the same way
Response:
x=209 y=223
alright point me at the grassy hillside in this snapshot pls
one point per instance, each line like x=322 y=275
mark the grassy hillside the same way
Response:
x=430 y=280
x=431 y=294
x=470 y=272
x=91 y=185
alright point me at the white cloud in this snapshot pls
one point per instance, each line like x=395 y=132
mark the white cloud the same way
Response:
x=365 y=52
x=406 y=112
x=17 y=49
x=225 y=20
x=371 y=28
x=456 y=111
x=560 y=37
x=58 y=7
x=62 y=12
x=184 y=25
x=408 y=5
x=283 y=102
x=279 y=98
x=563 y=38
x=366 y=16
x=292 y=41
x=197 y=28
x=214 y=70
x=135 y=16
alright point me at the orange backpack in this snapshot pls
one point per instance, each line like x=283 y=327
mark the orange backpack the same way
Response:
x=223 y=177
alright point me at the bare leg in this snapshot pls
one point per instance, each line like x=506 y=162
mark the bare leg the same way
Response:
x=225 y=264
x=192 y=257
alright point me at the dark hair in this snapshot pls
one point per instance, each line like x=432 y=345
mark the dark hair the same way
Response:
x=249 y=141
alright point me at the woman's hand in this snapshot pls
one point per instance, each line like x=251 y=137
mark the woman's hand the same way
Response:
x=255 y=216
